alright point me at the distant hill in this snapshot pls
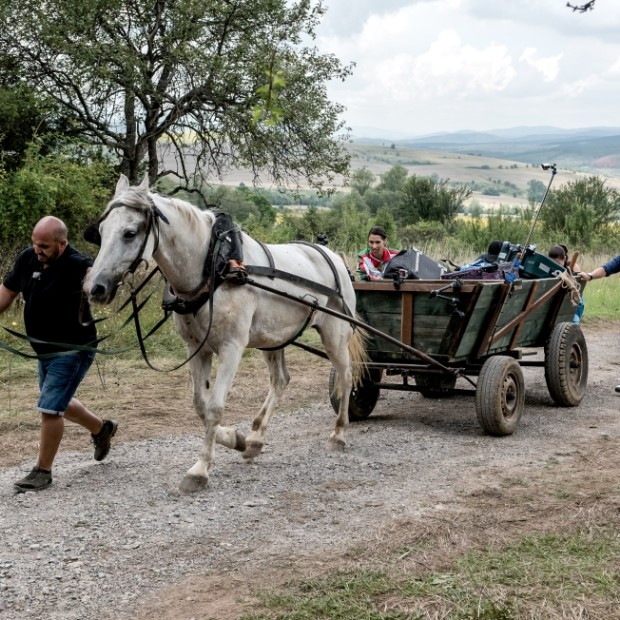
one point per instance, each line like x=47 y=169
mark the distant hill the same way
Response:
x=586 y=149
x=494 y=179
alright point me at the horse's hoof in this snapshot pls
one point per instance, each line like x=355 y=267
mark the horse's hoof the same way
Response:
x=335 y=445
x=252 y=449
x=240 y=442
x=192 y=484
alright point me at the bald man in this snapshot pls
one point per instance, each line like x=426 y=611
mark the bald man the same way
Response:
x=49 y=275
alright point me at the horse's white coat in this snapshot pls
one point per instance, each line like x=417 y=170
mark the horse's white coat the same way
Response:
x=243 y=315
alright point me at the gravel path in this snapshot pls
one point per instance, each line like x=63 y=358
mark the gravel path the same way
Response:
x=107 y=535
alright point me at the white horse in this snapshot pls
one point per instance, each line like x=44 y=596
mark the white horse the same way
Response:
x=138 y=226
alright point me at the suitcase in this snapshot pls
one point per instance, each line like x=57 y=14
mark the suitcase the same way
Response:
x=536 y=265
x=413 y=265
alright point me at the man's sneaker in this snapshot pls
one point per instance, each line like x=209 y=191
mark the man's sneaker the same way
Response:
x=102 y=439
x=34 y=481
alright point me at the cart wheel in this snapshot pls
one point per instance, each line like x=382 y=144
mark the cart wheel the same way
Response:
x=363 y=399
x=436 y=385
x=566 y=364
x=500 y=395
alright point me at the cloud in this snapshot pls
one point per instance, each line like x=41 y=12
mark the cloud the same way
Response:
x=449 y=66
x=549 y=67
x=433 y=65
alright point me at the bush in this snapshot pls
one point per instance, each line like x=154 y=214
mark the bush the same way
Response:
x=52 y=185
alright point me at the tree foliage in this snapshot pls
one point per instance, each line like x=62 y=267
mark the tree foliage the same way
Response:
x=430 y=200
x=362 y=180
x=24 y=115
x=394 y=179
x=219 y=84
x=580 y=210
x=53 y=184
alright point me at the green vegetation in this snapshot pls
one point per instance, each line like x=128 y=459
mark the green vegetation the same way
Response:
x=557 y=573
x=183 y=87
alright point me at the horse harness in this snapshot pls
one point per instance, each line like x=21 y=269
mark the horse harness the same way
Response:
x=212 y=278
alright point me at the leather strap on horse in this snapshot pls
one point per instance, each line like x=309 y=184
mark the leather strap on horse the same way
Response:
x=272 y=272
x=328 y=260
x=210 y=278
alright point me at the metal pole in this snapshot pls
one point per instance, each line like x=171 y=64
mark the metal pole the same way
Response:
x=553 y=169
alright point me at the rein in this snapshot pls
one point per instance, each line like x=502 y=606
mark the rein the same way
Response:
x=210 y=279
x=72 y=347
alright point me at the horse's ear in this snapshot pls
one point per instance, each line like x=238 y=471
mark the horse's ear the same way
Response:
x=144 y=186
x=92 y=235
x=122 y=185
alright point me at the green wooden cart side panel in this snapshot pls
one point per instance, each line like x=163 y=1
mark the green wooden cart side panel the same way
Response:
x=534 y=331
x=479 y=319
x=435 y=326
x=432 y=319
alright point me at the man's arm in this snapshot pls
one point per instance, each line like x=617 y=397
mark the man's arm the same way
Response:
x=612 y=266
x=7 y=297
x=609 y=268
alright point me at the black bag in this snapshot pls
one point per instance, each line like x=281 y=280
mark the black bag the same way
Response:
x=413 y=265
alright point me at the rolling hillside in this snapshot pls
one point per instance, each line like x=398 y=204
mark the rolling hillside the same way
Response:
x=509 y=177
x=497 y=166
x=585 y=150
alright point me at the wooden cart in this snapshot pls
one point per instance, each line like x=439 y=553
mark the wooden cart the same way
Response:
x=431 y=332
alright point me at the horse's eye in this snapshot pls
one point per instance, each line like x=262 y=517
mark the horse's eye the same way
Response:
x=129 y=234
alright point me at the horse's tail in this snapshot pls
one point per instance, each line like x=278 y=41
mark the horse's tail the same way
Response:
x=358 y=354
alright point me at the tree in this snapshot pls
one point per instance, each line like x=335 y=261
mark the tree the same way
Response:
x=393 y=179
x=24 y=115
x=362 y=180
x=51 y=185
x=535 y=190
x=430 y=200
x=580 y=209
x=219 y=84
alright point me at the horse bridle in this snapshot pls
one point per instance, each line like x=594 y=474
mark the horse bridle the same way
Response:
x=153 y=215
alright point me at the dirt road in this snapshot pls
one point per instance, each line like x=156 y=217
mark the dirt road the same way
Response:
x=115 y=540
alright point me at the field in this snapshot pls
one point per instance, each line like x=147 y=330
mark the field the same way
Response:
x=506 y=176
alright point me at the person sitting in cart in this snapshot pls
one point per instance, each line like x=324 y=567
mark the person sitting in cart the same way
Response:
x=609 y=268
x=559 y=253
x=372 y=261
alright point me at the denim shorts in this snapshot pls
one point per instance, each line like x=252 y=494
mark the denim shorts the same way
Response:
x=59 y=378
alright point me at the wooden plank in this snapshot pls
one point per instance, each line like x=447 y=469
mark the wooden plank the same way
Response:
x=521 y=316
x=487 y=335
x=406 y=327
x=458 y=326
x=525 y=311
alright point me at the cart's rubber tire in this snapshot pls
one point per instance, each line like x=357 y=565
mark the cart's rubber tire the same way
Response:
x=436 y=385
x=363 y=399
x=566 y=364
x=500 y=395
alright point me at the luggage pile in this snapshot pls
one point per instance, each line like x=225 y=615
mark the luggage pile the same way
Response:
x=531 y=265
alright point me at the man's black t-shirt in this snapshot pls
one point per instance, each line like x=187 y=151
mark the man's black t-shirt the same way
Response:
x=55 y=305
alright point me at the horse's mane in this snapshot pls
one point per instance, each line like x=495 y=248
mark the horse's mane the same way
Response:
x=135 y=199
x=190 y=213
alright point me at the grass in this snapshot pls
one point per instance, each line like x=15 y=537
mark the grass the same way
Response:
x=542 y=576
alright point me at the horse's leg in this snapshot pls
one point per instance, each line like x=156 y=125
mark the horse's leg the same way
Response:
x=278 y=380
x=211 y=410
x=335 y=335
x=201 y=365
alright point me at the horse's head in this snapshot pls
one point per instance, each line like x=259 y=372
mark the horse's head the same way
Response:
x=126 y=241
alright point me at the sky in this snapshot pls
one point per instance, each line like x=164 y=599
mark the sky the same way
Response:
x=428 y=66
